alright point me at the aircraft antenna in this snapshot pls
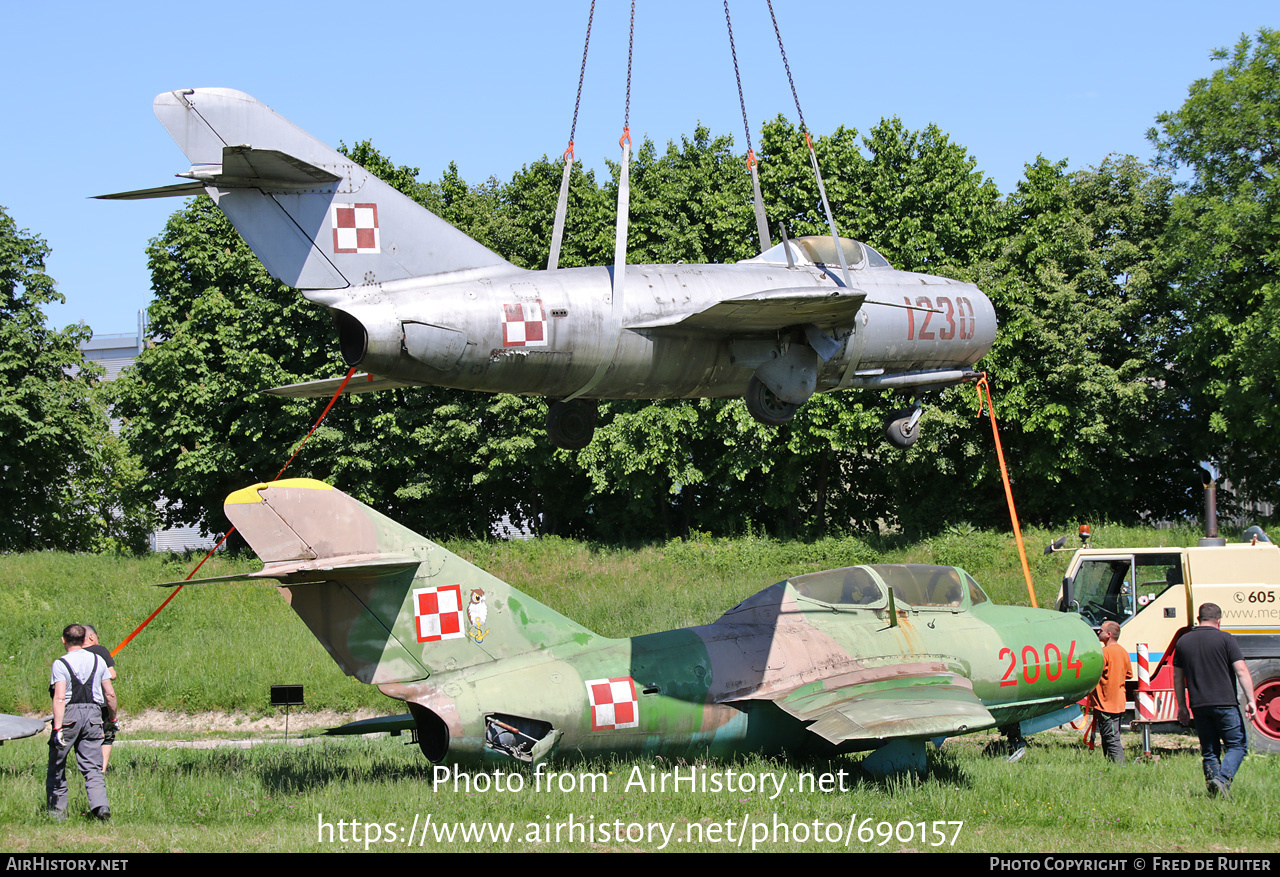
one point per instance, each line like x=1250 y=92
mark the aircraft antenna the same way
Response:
x=762 y=224
x=562 y=205
x=813 y=156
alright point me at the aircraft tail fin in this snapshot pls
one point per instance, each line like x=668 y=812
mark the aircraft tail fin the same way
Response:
x=390 y=606
x=315 y=218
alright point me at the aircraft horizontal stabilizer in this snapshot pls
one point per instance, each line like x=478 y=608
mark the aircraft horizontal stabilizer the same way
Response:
x=935 y=705
x=361 y=383
x=766 y=312
x=380 y=725
x=243 y=167
x=16 y=727
x=312 y=572
x=177 y=190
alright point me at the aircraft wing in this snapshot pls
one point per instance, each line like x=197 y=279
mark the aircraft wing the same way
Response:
x=361 y=383
x=765 y=312
x=930 y=705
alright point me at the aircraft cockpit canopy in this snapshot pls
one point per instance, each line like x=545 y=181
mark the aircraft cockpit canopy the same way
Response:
x=917 y=585
x=816 y=249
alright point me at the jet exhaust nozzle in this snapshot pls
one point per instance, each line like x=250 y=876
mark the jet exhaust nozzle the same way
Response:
x=353 y=339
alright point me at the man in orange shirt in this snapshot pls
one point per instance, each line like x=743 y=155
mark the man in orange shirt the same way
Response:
x=1108 y=700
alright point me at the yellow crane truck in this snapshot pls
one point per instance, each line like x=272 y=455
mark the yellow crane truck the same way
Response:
x=1153 y=593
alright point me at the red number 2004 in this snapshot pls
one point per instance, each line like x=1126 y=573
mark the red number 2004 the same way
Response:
x=1032 y=666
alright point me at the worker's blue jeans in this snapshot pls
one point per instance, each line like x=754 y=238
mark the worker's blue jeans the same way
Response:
x=1222 y=741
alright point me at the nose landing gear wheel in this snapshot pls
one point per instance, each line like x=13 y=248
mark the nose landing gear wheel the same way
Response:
x=903 y=428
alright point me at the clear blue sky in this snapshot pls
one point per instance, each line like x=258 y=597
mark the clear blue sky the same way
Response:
x=491 y=84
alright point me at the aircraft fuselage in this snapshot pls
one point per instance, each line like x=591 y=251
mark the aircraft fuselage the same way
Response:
x=710 y=690
x=547 y=332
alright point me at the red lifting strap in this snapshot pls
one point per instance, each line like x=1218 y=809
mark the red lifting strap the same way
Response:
x=324 y=414
x=1008 y=490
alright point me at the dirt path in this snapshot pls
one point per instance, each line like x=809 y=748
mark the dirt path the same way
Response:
x=202 y=723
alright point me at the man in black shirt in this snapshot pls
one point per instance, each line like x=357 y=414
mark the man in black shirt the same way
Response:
x=109 y=727
x=1207 y=662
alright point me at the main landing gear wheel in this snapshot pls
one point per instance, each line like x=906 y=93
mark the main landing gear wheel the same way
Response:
x=766 y=407
x=903 y=428
x=1264 y=729
x=571 y=425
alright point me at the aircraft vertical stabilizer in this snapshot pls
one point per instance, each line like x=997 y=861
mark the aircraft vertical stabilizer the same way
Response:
x=388 y=605
x=315 y=218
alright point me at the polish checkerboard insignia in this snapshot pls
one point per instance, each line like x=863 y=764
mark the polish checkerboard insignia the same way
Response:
x=613 y=703
x=355 y=228
x=524 y=325
x=439 y=613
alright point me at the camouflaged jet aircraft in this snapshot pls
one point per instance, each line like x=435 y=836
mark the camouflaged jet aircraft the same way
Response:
x=876 y=658
x=417 y=302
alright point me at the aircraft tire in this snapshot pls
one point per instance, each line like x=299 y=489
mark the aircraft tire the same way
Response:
x=765 y=407
x=896 y=431
x=571 y=425
x=1264 y=729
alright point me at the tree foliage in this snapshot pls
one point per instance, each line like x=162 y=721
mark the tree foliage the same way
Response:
x=1105 y=394
x=1087 y=404
x=64 y=476
x=1224 y=238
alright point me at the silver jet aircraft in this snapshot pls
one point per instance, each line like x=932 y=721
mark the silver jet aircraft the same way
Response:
x=417 y=302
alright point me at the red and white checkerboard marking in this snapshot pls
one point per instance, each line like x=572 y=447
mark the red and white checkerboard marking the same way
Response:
x=524 y=325
x=355 y=228
x=613 y=703
x=439 y=613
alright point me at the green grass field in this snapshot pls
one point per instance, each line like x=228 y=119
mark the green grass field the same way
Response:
x=217 y=648
x=275 y=798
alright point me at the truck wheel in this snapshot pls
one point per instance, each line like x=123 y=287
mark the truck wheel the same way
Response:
x=1264 y=729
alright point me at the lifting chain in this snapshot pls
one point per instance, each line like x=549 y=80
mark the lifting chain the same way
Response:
x=813 y=156
x=562 y=203
x=614 y=328
x=762 y=224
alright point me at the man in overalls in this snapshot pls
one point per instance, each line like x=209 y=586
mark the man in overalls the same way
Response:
x=80 y=687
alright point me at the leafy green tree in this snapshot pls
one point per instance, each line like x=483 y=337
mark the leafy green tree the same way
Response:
x=1070 y=262
x=224 y=331
x=1224 y=236
x=915 y=196
x=690 y=204
x=526 y=216
x=63 y=474
x=1089 y=412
